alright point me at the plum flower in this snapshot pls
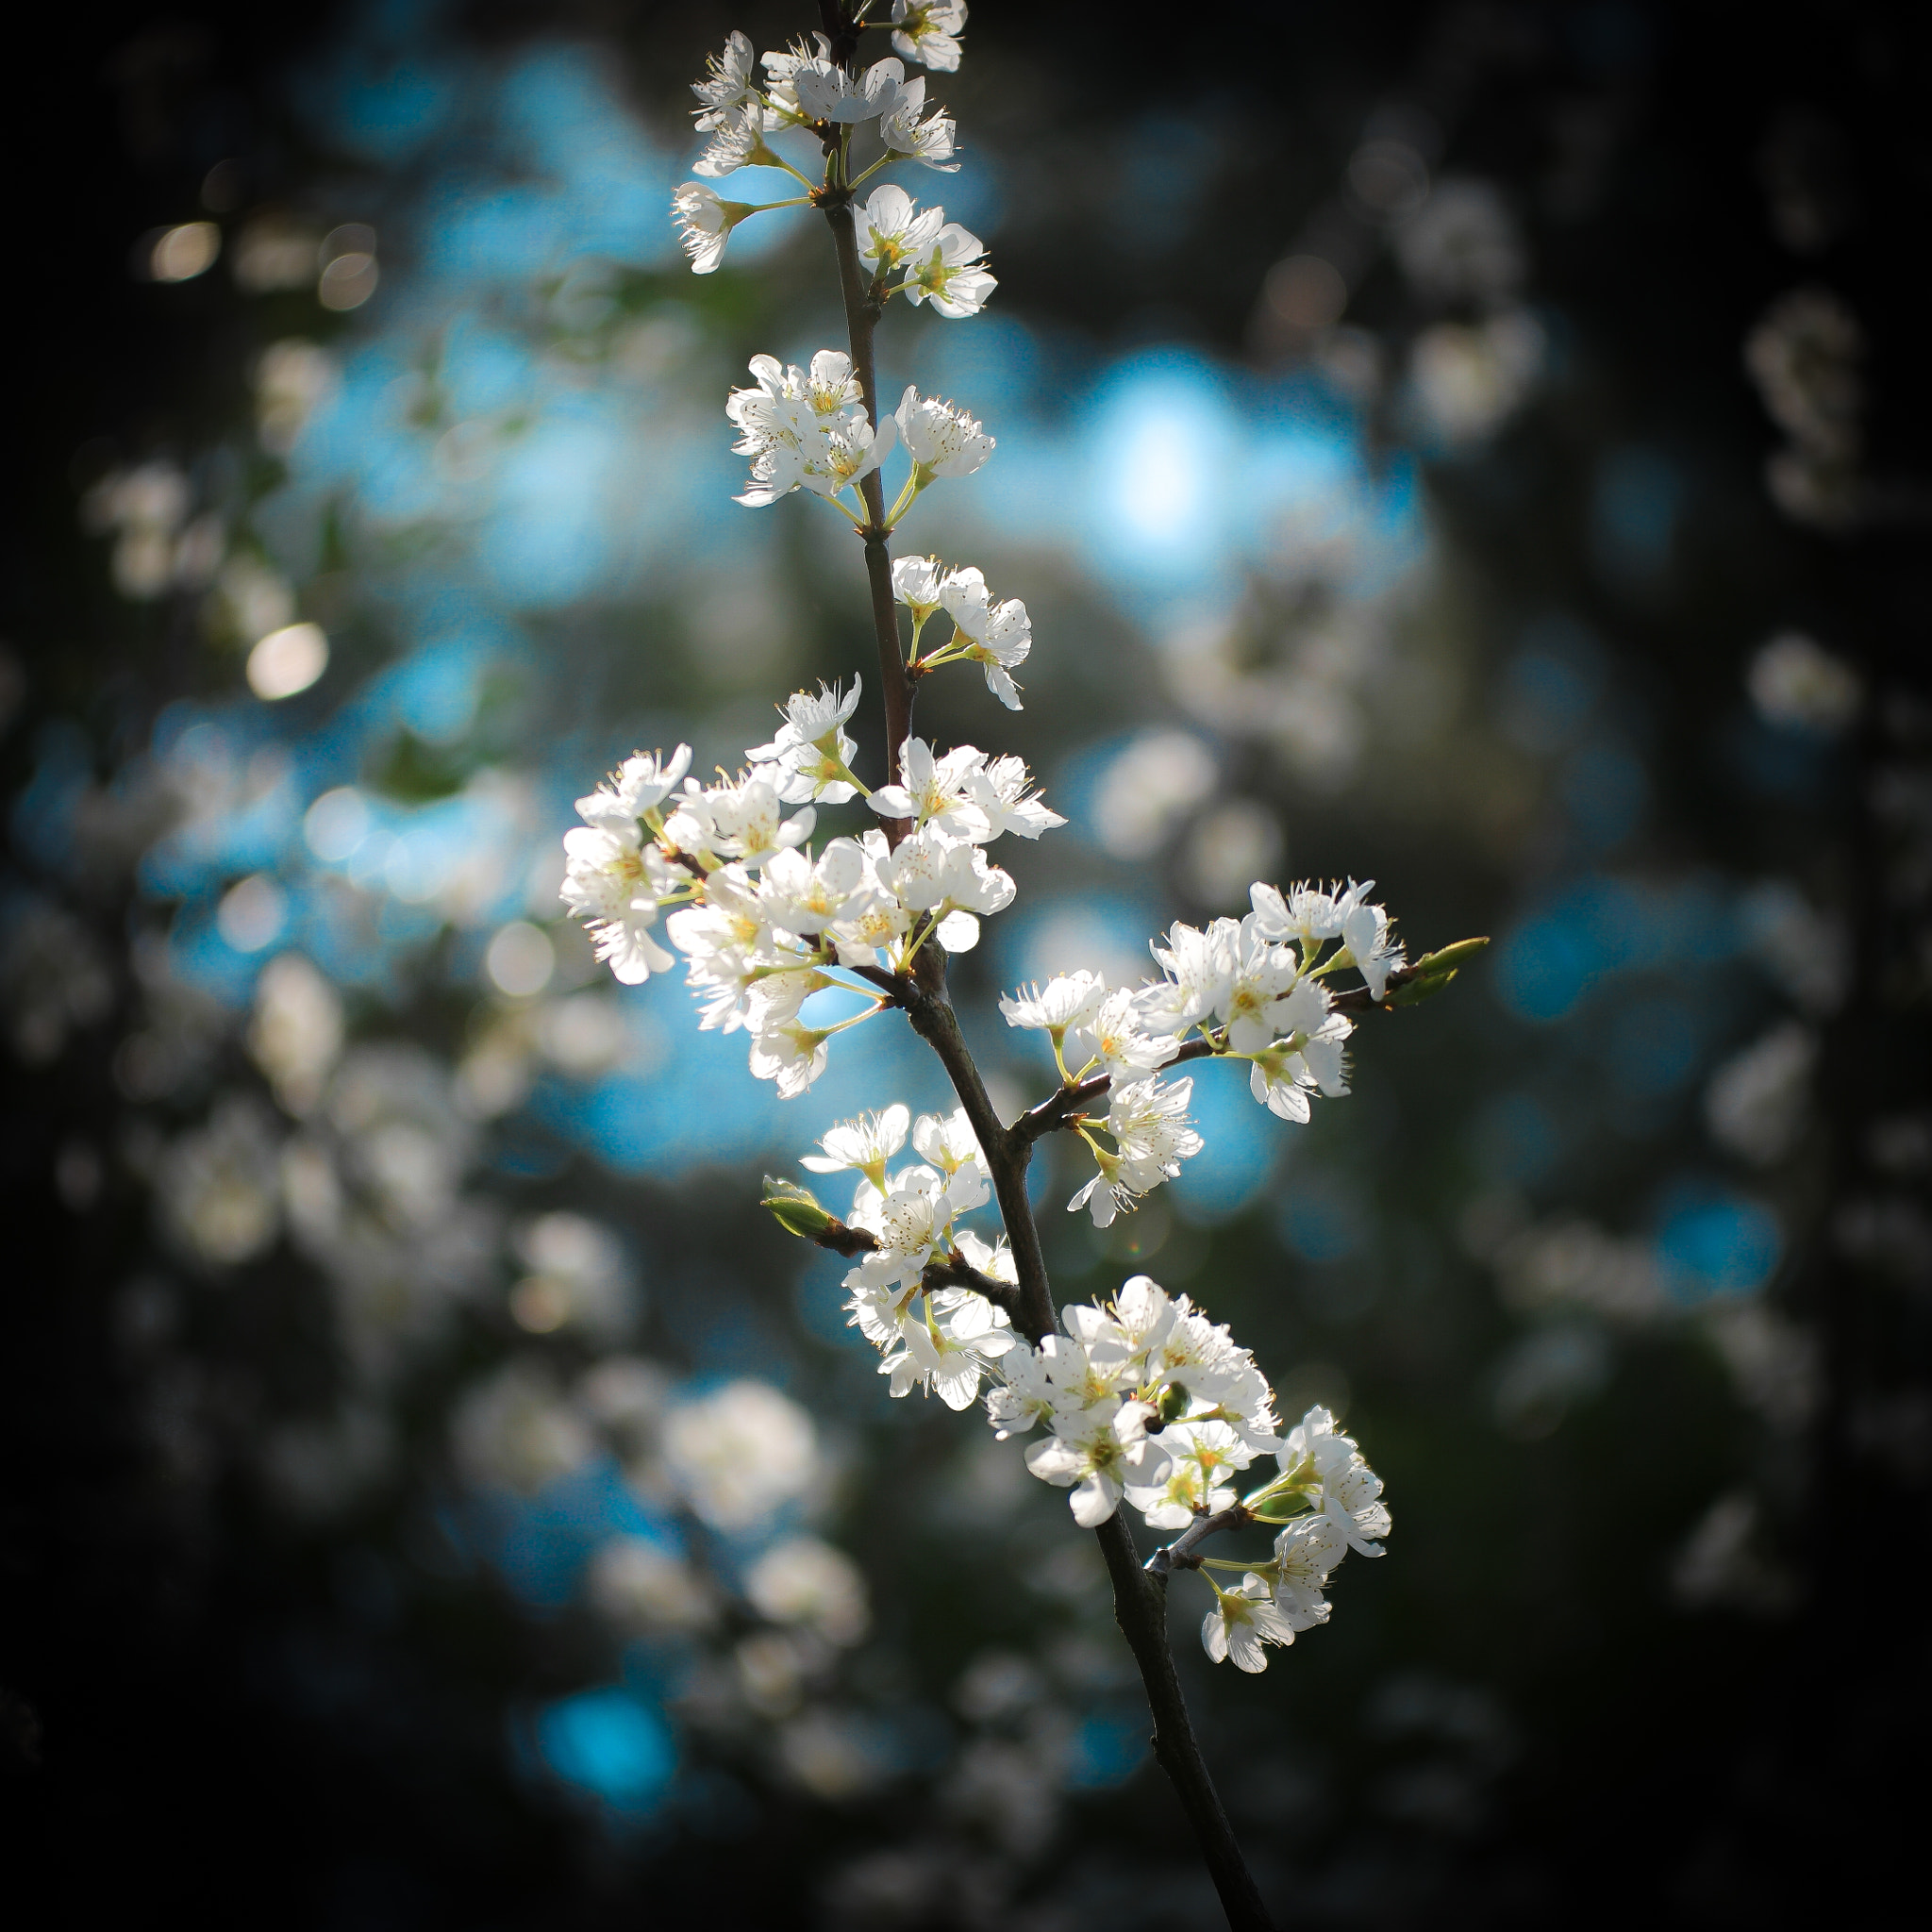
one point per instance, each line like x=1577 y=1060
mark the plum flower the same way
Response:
x=1241 y=1622
x=939 y=437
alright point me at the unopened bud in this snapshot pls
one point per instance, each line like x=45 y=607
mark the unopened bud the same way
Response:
x=1432 y=972
x=795 y=1210
x=1449 y=957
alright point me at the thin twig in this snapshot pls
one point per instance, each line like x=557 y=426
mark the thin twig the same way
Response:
x=1057 y=1109
x=861 y=319
x=943 y=1271
x=1179 y=1554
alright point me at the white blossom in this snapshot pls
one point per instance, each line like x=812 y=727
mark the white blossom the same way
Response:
x=1064 y=1001
x=936 y=791
x=1305 y=1552
x=1348 y=1490
x=950 y=1352
x=804 y=428
x=928 y=31
x=909 y=1218
x=1151 y=1134
x=1371 y=948
x=1351 y=1501
x=890 y=227
x=811 y=748
x=1204 y=1454
x=917 y=584
x=845 y=452
x=638 y=785
x=950 y=272
x=993 y=1260
x=738 y=819
x=784 y=1050
x=948 y=1142
x=996 y=636
x=1026 y=1397
x=728 y=83
x=613 y=882
x=1305 y=913
x=781 y=70
x=825 y=91
x=1097 y=1455
x=940 y=438
x=1241 y=1622
x=929 y=140
x=932 y=871
x=801 y=895
x=1200 y=967
x=1111 y=1040
x=736 y=140
x=1258 y=987
x=883 y=924
x=863 y=1145
x=703 y=224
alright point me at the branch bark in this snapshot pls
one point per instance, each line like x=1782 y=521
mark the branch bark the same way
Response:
x=861 y=319
x=1140 y=1608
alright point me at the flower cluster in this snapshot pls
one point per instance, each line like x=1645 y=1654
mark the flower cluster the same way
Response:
x=1339 y=1497
x=807 y=428
x=763 y=921
x=1104 y=1388
x=1144 y=1399
x=943 y=1338
x=922 y=255
x=1250 y=989
x=996 y=637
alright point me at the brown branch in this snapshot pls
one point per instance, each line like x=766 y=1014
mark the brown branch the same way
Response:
x=1140 y=1608
x=861 y=319
x=1058 y=1108
x=844 y=1239
x=1179 y=1554
x=943 y=1271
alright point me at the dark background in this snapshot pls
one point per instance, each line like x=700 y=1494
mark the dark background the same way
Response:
x=212 y=1710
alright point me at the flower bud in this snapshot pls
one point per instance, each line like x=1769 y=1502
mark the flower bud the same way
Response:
x=795 y=1211
x=1432 y=972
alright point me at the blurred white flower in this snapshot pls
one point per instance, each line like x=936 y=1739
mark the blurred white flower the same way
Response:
x=1152 y=783
x=641 y=1585
x=297 y=1033
x=1794 y=681
x=578 y=1277
x=516 y=1431
x=1756 y=1102
x=219 y=1188
x=1468 y=379
x=806 y=1581
x=743 y=1454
